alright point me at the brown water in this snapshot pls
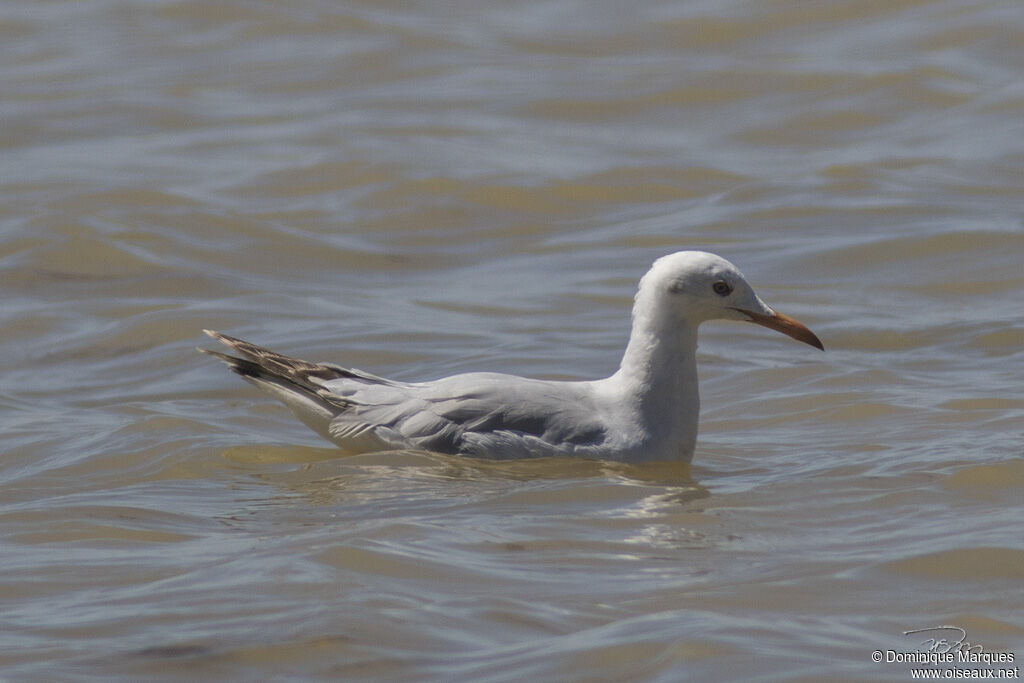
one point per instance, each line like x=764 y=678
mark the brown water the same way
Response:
x=419 y=189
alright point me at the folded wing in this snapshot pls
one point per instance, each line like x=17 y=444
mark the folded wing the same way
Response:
x=475 y=414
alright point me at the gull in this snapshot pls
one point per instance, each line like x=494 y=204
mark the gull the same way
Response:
x=647 y=411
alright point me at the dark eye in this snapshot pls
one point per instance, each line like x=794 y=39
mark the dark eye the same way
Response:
x=722 y=288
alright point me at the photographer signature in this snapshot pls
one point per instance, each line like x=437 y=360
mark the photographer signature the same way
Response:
x=940 y=641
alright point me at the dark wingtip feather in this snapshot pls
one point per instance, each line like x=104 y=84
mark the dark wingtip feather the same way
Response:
x=268 y=366
x=245 y=368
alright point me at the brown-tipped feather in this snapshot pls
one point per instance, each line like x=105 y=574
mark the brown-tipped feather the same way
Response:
x=263 y=364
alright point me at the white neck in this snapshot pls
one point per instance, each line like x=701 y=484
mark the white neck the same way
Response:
x=658 y=372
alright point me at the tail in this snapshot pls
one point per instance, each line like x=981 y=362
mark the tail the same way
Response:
x=296 y=383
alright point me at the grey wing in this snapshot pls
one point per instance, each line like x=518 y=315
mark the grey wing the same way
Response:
x=478 y=414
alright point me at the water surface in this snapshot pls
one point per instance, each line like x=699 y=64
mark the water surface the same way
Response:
x=425 y=189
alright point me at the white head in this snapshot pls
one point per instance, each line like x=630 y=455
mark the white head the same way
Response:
x=696 y=286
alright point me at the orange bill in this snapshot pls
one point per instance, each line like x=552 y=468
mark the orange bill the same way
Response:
x=786 y=325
